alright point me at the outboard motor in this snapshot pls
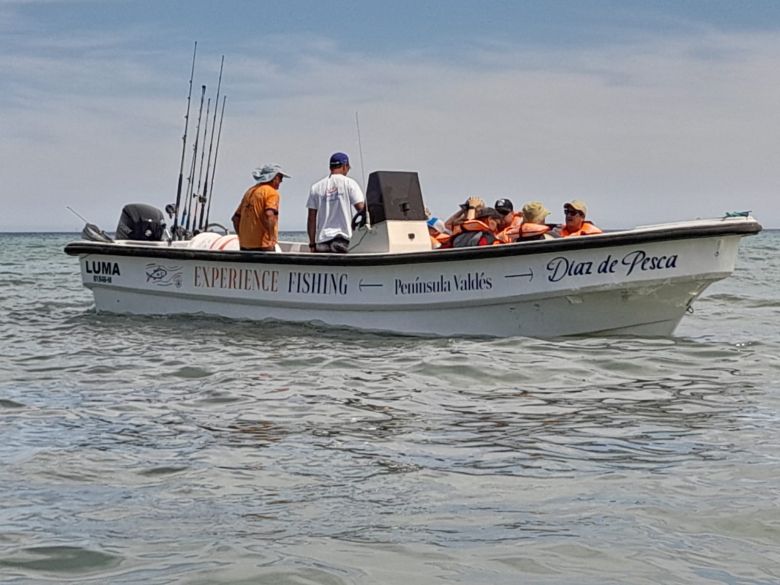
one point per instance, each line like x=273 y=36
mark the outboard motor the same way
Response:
x=140 y=222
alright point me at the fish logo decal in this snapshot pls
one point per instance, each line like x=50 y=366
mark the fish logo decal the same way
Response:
x=164 y=275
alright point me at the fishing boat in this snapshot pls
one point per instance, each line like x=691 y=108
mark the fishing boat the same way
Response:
x=638 y=281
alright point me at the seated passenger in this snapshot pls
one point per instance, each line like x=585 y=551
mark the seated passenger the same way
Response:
x=438 y=232
x=470 y=207
x=576 y=224
x=534 y=226
x=510 y=221
x=480 y=231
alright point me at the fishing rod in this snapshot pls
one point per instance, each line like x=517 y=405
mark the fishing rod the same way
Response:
x=194 y=159
x=204 y=196
x=183 y=148
x=90 y=231
x=216 y=154
x=197 y=192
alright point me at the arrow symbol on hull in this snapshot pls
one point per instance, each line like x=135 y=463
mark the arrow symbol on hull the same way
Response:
x=529 y=275
x=362 y=284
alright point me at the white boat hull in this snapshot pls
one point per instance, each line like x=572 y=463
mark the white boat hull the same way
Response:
x=636 y=282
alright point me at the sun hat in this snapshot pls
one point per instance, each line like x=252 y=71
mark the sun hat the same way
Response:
x=504 y=206
x=338 y=159
x=535 y=212
x=578 y=205
x=266 y=173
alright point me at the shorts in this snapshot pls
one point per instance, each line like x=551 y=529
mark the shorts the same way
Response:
x=338 y=245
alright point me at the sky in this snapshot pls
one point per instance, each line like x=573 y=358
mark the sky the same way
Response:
x=648 y=111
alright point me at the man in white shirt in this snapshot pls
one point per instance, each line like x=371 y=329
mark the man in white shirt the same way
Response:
x=330 y=206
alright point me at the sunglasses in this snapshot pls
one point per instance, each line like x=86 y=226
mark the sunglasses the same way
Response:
x=569 y=211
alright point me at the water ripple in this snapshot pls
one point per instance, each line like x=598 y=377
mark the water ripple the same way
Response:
x=200 y=450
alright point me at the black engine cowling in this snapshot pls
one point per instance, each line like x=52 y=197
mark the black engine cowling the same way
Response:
x=140 y=222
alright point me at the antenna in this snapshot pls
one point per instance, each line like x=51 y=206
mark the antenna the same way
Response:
x=367 y=222
x=360 y=148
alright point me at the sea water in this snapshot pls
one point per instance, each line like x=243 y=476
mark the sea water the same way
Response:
x=209 y=451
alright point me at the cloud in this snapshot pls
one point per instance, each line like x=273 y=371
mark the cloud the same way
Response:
x=652 y=130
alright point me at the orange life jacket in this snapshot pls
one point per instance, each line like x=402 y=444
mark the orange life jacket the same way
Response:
x=439 y=240
x=475 y=225
x=509 y=233
x=525 y=231
x=587 y=229
x=474 y=233
x=532 y=230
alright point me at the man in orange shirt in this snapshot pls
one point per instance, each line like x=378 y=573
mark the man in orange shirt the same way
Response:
x=256 y=220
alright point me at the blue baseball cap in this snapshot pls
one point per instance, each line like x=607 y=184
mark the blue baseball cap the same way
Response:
x=338 y=159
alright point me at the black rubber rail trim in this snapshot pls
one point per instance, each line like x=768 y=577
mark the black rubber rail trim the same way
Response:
x=622 y=238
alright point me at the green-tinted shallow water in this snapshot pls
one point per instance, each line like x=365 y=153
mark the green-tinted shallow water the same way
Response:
x=200 y=451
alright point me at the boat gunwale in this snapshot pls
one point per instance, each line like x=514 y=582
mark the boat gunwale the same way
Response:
x=635 y=236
